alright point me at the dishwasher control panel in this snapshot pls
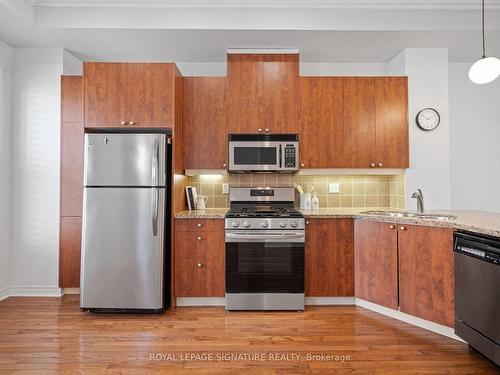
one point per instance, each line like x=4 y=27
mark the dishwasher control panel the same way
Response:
x=484 y=248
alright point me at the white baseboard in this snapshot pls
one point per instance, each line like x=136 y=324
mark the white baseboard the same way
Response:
x=200 y=301
x=70 y=291
x=422 y=323
x=326 y=301
x=30 y=291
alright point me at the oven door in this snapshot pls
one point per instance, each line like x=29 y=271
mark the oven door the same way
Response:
x=255 y=156
x=263 y=262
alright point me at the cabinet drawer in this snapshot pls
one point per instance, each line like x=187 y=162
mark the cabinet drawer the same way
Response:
x=200 y=243
x=199 y=225
x=199 y=277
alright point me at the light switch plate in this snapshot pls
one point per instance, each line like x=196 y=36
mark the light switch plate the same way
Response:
x=334 y=188
x=225 y=188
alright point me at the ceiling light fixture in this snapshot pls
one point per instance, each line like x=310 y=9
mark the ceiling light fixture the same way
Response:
x=487 y=69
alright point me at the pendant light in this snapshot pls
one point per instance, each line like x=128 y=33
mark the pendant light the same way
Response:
x=487 y=69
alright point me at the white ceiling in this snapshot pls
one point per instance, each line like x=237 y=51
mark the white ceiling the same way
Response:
x=153 y=30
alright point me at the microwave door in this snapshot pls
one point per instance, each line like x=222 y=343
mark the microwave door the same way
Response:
x=254 y=156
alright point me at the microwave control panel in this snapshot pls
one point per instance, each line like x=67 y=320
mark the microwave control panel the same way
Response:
x=290 y=156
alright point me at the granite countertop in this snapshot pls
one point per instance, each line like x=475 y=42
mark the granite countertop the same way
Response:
x=474 y=221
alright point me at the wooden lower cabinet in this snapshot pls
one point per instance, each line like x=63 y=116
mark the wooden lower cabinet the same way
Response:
x=329 y=258
x=426 y=287
x=199 y=258
x=69 y=252
x=376 y=262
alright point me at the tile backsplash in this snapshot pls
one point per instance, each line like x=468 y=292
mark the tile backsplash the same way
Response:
x=355 y=191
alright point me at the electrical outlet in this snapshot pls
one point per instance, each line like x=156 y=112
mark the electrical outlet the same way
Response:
x=225 y=188
x=334 y=188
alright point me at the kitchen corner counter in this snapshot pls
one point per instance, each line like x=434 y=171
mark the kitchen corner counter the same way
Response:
x=209 y=213
x=473 y=221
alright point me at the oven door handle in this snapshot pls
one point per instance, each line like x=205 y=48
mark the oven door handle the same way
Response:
x=292 y=237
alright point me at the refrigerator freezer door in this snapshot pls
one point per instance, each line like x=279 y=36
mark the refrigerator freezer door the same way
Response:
x=125 y=160
x=122 y=248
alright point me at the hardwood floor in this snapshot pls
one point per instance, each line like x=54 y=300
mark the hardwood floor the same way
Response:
x=52 y=336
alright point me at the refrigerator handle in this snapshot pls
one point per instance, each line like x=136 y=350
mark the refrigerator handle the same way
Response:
x=154 y=209
x=155 y=164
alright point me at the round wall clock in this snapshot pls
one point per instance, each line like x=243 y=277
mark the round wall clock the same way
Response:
x=428 y=119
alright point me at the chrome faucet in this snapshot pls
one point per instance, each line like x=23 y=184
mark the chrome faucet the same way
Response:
x=420 y=201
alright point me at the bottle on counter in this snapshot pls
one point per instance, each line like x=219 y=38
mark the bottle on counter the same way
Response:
x=315 y=202
x=307 y=202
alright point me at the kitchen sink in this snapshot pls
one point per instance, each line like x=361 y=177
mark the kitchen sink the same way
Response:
x=403 y=214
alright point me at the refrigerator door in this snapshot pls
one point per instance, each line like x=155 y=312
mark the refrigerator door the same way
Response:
x=123 y=248
x=125 y=160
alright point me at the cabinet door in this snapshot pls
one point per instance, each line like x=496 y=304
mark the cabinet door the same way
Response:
x=280 y=93
x=199 y=277
x=205 y=123
x=72 y=99
x=376 y=262
x=329 y=262
x=69 y=252
x=391 y=118
x=320 y=118
x=72 y=135
x=426 y=286
x=359 y=122
x=150 y=94
x=245 y=93
x=105 y=94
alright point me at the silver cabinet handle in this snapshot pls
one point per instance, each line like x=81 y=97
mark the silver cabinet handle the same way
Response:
x=307 y=222
x=199 y=238
x=302 y=165
x=260 y=130
x=402 y=228
x=224 y=165
x=267 y=130
x=199 y=265
x=380 y=164
x=391 y=226
x=124 y=122
x=199 y=225
x=372 y=165
x=131 y=123
x=154 y=209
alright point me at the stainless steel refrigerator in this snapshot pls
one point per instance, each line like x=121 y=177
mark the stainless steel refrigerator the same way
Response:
x=125 y=223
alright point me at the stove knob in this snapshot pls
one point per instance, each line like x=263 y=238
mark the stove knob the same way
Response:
x=246 y=224
x=294 y=224
x=264 y=224
x=235 y=224
x=282 y=224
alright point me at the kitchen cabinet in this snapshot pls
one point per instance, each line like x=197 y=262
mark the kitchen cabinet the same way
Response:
x=376 y=262
x=426 y=282
x=329 y=258
x=70 y=242
x=320 y=119
x=129 y=94
x=262 y=93
x=205 y=122
x=71 y=181
x=199 y=258
x=376 y=122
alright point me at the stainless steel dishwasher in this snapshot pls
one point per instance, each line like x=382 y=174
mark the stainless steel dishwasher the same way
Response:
x=477 y=292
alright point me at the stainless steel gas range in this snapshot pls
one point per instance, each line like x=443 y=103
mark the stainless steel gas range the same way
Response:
x=265 y=241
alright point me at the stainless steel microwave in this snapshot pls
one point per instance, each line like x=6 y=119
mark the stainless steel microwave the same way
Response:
x=263 y=152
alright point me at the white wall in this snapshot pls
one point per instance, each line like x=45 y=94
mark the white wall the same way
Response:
x=35 y=173
x=427 y=71
x=475 y=142
x=6 y=70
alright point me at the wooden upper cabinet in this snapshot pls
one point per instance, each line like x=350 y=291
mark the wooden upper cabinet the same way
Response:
x=320 y=120
x=359 y=122
x=262 y=92
x=245 y=74
x=105 y=94
x=391 y=119
x=205 y=127
x=129 y=94
x=426 y=287
x=376 y=262
x=329 y=259
x=150 y=94
x=280 y=92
